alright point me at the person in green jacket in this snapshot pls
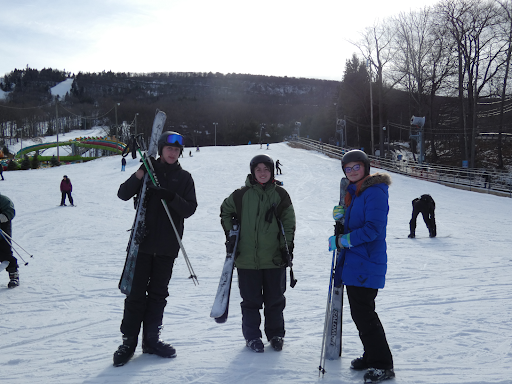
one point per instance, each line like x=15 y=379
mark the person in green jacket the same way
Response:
x=262 y=255
x=7 y=260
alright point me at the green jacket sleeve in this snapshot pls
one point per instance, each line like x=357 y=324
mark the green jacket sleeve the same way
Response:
x=227 y=212
x=7 y=207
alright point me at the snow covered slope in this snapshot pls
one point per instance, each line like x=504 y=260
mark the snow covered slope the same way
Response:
x=446 y=307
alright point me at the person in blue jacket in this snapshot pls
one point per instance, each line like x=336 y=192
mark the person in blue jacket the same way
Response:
x=363 y=259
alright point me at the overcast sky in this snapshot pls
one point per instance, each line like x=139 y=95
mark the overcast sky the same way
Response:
x=292 y=38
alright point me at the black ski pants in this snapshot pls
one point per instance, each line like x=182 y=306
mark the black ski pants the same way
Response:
x=6 y=249
x=63 y=200
x=371 y=332
x=428 y=217
x=260 y=287
x=146 y=302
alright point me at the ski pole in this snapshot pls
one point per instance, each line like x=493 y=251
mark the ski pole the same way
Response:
x=293 y=280
x=321 y=367
x=154 y=179
x=14 y=249
x=10 y=238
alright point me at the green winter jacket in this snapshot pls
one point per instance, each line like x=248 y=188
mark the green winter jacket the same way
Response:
x=261 y=242
x=7 y=207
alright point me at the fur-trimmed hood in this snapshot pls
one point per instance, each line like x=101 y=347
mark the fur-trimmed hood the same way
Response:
x=373 y=179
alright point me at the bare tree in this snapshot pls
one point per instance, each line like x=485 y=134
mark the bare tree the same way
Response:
x=473 y=25
x=377 y=49
x=506 y=7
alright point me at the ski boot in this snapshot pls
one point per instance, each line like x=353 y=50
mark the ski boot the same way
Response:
x=152 y=344
x=376 y=375
x=411 y=235
x=14 y=279
x=125 y=351
x=359 y=364
x=256 y=345
x=277 y=343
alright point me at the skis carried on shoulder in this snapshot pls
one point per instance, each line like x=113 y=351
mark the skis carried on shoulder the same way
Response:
x=220 y=306
x=139 y=227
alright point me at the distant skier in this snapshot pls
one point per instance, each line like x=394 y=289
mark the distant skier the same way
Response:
x=7 y=213
x=261 y=263
x=66 y=188
x=278 y=168
x=2 y=171
x=425 y=205
x=268 y=145
x=159 y=247
x=123 y=164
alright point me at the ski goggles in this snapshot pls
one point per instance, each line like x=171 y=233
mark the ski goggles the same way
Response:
x=171 y=139
x=354 y=168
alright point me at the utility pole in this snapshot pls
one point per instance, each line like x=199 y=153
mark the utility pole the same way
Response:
x=115 y=107
x=371 y=105
x=215 y=124
x=57 y=126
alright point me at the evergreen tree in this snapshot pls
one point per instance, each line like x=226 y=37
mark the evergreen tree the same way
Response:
x=54 y=162
x=12 y=166
x=25 y=164
x=35 y=162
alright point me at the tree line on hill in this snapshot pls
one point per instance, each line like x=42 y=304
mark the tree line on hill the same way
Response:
x=448 y=63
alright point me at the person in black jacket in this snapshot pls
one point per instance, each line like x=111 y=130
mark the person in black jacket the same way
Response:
x=145 y=304
x=425 y=205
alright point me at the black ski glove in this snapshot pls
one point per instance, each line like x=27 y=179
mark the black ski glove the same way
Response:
x=287 y=257
x=161 y=193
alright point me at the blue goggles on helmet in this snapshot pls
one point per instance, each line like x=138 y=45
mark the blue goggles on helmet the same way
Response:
x=171 y=139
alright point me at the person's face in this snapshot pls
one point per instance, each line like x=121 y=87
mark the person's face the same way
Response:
x=262 y=173
x=170 y=154
x=353 y=174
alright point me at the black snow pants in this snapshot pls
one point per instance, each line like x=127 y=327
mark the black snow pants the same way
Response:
x=6 y=249
x=146 y=302
x=371 y=332
x=260 y=287
x=428 y=217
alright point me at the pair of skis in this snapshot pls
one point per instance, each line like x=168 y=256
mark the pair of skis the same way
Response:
x=220 y=306
x=139 y=226
x=331 y=340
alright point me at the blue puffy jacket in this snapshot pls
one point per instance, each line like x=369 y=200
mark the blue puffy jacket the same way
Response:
x=364 y=264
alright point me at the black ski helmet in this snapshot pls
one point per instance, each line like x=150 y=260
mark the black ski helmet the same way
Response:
x=170 y=138
x=265 y=159
x=356 y=155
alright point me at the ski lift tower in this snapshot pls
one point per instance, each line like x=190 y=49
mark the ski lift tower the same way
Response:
x=419 y=122
x=296 y=132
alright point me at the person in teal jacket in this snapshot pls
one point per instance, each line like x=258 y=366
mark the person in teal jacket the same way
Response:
x=261 y=257
x=362 y=260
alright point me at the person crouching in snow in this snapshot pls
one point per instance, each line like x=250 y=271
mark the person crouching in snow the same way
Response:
x=362 y=260
x=261 y=262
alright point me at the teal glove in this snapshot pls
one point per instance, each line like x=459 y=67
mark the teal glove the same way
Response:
x=344 y=241
x=332 y=243
x=339 y=242
x=338 y=212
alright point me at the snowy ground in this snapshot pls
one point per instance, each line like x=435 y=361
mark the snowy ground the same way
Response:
x=446 y=307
